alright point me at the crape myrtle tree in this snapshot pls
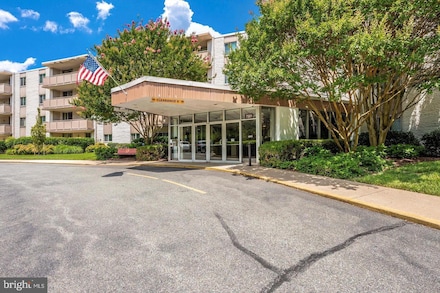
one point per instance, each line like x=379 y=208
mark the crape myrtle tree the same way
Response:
x=140 y=50
x=354 y=63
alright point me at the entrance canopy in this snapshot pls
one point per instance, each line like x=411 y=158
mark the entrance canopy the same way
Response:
x=173 y=97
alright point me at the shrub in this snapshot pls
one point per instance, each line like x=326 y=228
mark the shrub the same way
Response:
x=152 y=152
x=22 y=149
x=82 y=142
x=372 y=158
x=404 y=151
x=273 y=153
x=11 y=141
x=393 y=137
x=67 y=149
x=104 y=152
x=342 y=165
x=93 y=147
x=48 y=149
x=2 y=146
x=431 y=141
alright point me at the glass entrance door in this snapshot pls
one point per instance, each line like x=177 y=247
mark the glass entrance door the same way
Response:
x=200 y=143
x=233 y=141
x=185 y=143
x=216 y=147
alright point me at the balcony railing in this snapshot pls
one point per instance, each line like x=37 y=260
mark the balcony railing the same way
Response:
x=205 y=56
x=5 y=89
x=58 y=103
x=5 y=129
x=77 y=125
x=5 y=109
x=60 y=80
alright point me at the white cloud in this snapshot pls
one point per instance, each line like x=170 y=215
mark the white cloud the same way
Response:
x=104 y=9
x=29 y=13
x=198 y=29
x=79 y=21
x=50 y=26
x=15 y=66
x=179 y=14
x=5 y=18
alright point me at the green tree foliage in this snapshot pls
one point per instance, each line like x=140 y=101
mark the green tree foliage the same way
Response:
x=38 y=133
x=140 y=50
x=364 y=62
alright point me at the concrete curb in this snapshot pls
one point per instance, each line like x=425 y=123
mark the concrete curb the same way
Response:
x=373 y=207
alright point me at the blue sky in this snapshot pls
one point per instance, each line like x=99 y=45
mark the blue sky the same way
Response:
x=36 y=31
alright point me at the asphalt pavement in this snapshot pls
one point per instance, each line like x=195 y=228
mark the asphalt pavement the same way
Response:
x=411 y=206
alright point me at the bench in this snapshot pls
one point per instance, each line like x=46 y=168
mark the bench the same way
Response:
x=127 y=152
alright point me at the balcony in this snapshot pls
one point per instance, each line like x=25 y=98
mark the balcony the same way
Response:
x=205 y=56
x=5 y=130
x=61 y=82
x=5 y=89
x=5 y=109
x=59 y=103
x=70 y=126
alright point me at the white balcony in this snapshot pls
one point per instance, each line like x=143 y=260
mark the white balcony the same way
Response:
x=58 y=103
x=70 y=126
x=61 y=81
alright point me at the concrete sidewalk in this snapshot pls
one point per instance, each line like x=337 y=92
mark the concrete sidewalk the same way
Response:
x=416 y=207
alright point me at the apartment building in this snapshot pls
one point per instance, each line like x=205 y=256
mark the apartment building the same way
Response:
x=52 y=88
x=5 y=104
x=202 y=123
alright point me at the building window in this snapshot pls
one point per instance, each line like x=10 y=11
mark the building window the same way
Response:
x=67 y=134
x=42 y=76
x=135 y=136
x=67 y=70
x=43 y=119
x=22 y=122
x=22 y=81
x=42 y=98
x=67 y=93
x=108 y=137
x=229 y=47
x=68 y=116
x=22 y=101
x=88 y=134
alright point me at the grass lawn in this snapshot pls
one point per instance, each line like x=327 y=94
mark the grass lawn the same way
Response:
x=423 y=177
x=83 y=156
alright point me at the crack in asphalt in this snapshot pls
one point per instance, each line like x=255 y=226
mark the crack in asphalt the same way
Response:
x=287 y=274
x=250 y=253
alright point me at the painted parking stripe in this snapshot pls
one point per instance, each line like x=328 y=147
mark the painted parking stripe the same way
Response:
x=181 y=185
x=145 y=176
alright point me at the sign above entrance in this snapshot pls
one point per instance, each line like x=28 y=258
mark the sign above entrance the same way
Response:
x=165 y=100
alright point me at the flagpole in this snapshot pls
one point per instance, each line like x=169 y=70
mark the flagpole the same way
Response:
x=105 y=70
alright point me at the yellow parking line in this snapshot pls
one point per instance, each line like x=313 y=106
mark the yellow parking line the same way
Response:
x=145 y=176
x=193 y=189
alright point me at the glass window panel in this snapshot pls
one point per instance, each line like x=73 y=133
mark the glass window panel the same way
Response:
x=185 y=119
x=200 y=117
x=174 y=120
x=302 y=124
x=216 y=142
x=232 y=114
x=249 y=113
x=216 y=116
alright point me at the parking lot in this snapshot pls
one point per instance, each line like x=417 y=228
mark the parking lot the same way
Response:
x=149 y=229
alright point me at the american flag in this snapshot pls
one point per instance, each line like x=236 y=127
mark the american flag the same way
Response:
x=91 y=71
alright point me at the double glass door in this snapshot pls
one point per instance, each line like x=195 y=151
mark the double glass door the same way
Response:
x=225 y=141
x=213 y=142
